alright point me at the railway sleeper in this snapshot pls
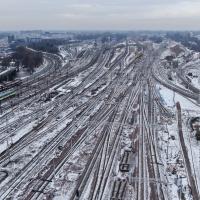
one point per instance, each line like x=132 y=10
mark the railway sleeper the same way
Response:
x=118 y=191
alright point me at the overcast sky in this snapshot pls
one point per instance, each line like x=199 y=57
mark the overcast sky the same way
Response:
x=100 y=14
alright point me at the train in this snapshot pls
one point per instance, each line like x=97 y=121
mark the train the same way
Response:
x=7 y=94
x=8 y=85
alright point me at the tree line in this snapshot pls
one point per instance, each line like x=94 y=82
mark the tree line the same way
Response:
x=24 y=57
x=186 y=39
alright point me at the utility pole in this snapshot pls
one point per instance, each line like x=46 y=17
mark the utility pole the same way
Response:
x=198 y=98
x=167 y=141
x=1 y=110
x=54 y=167
x=174 y=98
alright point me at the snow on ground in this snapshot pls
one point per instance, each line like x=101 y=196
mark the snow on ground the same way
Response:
x=173 y=166
x=67 y=178
x=23 y=74
x=75 y=82
x=192 y=64
x=170 y=98
x=193 y=149
x=196 y=55
x=196 y=82
x=171 y=154
x=131 y=56
x=117 y=53
x=63 y=51
x=12 y=139
x=63 y=90
x=178 y=82
x=166 y=53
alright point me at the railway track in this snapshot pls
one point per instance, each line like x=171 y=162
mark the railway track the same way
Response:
x=98 y=120
x=42 y=81
x=171 y=86
x=77 y=91
x=103 y=159
x=68 y=99
x=65 y=99
x=191 y=179
x=113 y=92
x=120 y=97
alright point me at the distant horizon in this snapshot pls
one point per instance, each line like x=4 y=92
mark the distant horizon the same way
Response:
x=100 y=30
